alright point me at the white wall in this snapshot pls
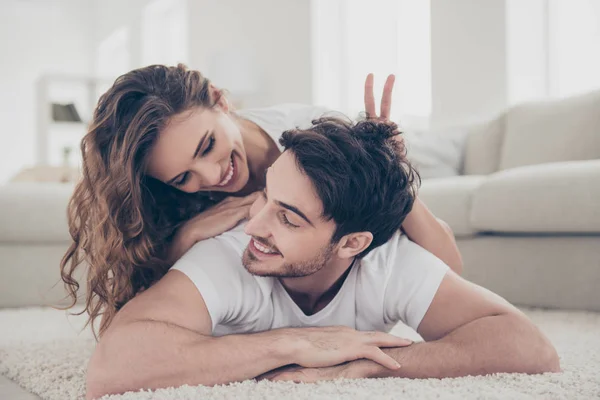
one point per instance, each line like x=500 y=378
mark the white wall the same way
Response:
x=271 y=38
x=468 y=56
x=36 y=37
x=112 y=15
x=273 y=34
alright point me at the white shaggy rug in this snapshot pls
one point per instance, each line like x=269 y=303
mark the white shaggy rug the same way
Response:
x=41 y=351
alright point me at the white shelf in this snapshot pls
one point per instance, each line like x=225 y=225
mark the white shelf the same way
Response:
x=83 y=91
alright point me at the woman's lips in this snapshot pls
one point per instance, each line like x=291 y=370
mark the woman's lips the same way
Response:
x=230 y=174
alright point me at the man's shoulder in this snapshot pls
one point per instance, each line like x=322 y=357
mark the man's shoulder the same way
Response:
x=231 y=242
x=218 y=255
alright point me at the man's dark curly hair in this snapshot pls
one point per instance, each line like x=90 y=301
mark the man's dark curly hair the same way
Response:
x=360 y=172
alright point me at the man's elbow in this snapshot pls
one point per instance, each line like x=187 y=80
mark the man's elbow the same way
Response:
x=548 y=360
x=538 y=354
x=106 y=371
x=98 y=382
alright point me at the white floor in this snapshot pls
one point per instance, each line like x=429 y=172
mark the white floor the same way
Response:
x=42 y=350
x=16 y=328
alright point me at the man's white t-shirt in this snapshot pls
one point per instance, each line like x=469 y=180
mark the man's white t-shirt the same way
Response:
x=395 y=282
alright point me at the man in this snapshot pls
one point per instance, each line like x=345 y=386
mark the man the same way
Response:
x=325 y=273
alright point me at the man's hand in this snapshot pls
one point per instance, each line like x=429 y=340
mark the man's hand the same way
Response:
x=351 y=370
x=330 y=346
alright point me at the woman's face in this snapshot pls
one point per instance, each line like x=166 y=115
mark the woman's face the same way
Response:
x=200 y=150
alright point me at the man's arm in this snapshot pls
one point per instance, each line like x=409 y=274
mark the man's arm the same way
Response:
x=162 y=338
x=433 y=234
x=472 y=331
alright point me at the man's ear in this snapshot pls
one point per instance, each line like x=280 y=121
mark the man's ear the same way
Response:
x=354 y=244
x=215 y=92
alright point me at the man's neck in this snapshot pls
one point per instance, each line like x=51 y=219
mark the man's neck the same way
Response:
x=314 y=292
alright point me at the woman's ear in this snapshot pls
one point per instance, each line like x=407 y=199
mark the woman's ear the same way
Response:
x=215 y=92
x=353 y=244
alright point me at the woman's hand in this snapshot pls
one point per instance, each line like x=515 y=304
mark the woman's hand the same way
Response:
x=386 y=101
x=386 y=98
x=220 y=218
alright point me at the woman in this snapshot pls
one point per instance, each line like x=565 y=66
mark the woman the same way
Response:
x=167 y=163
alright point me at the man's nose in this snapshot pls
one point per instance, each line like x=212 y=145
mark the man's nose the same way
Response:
x=258 y=225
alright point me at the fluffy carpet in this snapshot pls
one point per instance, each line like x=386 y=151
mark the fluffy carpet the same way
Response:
x=42 y=351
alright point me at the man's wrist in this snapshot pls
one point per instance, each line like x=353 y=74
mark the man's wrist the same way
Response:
x=375 y=370
x=282 y=345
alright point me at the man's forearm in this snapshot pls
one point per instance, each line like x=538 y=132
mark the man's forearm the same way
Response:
x=423 y=228
x=151 y=354
x=488 y=345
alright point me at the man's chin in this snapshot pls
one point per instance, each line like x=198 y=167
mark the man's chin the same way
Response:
x=255 y=266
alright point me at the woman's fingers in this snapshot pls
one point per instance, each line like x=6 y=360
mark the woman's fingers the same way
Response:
x=369 y=97
x=386 y=97
x=235 y=202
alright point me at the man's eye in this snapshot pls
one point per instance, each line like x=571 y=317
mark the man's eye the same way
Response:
x=287 y=222
x=211 y=143
x=182 y=180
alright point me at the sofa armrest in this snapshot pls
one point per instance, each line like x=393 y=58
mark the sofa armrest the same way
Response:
x=34 y=212
x=562 y=197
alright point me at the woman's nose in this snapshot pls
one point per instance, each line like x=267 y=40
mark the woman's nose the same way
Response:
x=209 y=173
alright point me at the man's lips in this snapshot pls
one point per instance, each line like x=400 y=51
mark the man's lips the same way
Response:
x=261 y=249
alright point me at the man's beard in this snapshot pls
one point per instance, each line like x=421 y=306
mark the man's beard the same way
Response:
x=296 y=270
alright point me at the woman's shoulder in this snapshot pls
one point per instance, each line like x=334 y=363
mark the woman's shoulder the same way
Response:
x=286 y=116
x=276 y=119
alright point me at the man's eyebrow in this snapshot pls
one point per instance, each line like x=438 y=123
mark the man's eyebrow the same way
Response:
x=200 y=143
x=294 y=210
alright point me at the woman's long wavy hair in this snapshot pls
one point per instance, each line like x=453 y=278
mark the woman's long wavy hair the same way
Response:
x=120 y=219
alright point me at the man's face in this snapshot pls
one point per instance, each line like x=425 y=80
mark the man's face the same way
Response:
x=289 y=236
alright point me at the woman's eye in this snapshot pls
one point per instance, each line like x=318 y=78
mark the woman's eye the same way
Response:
x=183 y=179
x=211 y=143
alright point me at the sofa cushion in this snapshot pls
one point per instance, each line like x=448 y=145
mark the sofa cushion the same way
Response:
x=552 y=131
x=554 y=198
x=482 y=148
x=450 y=199
x=34 y=212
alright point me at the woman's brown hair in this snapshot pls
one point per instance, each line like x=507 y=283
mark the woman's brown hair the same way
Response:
x=120 y=219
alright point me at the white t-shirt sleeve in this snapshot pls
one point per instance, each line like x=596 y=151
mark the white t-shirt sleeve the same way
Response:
x=231 y=294
x=413 y=278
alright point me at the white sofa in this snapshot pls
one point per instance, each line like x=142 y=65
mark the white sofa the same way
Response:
x=526 y=209
x=526 y=212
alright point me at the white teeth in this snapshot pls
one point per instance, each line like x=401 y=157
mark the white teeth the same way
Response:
x=227 y=178
x=262 y=248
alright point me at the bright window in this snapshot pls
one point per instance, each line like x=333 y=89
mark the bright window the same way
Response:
x=353 y=37
x=552 y=48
